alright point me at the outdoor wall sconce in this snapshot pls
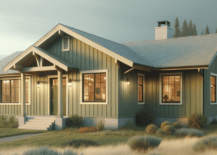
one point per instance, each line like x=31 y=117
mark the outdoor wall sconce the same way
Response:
x=128 y=82
x=70 y=82
x=38 y=84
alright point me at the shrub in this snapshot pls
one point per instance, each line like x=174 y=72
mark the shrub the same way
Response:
x=189 y=132
x=159 y=132
x=12 y=122
x=197 y=121
x=144 y=117
x=169 y=129
x=206 y=143
x=214 y=121
x=151 y=129
x=88 y=129
x=100 y=125
x=165 y=123
x=3 y=121
x=177 y=125
x=41 y=151
x=79 y=143
x=143 y=143
x=74 y=121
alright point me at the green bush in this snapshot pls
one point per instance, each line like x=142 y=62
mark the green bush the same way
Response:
x=207 y=143
x=100 y=125
x=74 y=121
x=159 y=132
x=79 y=143
x=3 y=121
x=197 y=121
x=143 y=143
x=189 y=132
x=12 y=122
x=144 y=117
x=165 y=123
x=169 y=130
x=177 y=125
x=151 y=129
x=214 y=121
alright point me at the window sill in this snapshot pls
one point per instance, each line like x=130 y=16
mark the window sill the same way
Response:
x=141 y=102
x=213 y=103
x=170 y=104
x=93 y=102
x=13 y=103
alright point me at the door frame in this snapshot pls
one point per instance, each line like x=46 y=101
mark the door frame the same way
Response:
x=67 y=92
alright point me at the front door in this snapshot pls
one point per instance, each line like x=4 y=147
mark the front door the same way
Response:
x=54 y=96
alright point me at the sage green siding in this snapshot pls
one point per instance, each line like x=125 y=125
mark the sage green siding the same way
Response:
x=192 y=97
x=209 y=110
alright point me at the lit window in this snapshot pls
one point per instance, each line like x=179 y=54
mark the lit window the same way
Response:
x=171 y=90
x=140 y=88
x=94 y=87
x=213 y=89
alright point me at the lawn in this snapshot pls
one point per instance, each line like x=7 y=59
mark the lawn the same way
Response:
x=55 y=138
x=6 y=132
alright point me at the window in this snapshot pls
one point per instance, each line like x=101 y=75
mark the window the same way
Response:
x=94 y=87
x=213 y=89
x=11 y=91
x=141 y=86
x=171 y=89
x=65 y=43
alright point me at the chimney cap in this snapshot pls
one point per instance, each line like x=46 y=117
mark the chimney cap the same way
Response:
x=164 y=22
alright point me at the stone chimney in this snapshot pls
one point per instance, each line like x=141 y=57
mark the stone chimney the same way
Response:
x=163 y=31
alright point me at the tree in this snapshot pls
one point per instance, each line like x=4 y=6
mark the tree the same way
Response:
x=190 y=29
x=202 y=32
x=177 y=32
x=184 y=28
x=194 y=30
x=207 y=30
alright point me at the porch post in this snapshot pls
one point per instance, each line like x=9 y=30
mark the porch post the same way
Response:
x=60 y=111
x=22 y=119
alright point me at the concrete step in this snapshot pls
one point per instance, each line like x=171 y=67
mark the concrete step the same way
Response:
x=34 y=127
x=41 y=121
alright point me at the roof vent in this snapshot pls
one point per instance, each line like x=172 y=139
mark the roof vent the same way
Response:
x=163 y=31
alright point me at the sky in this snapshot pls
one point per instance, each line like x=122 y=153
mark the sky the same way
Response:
x=24 y=22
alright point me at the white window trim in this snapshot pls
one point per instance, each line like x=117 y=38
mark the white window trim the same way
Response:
x=143 y=75
x=63 y=50
x=30 y=90
x=81 y=86
x=212 y=74
x=160 y=82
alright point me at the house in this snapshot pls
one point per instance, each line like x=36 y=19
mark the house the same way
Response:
x=69 y=71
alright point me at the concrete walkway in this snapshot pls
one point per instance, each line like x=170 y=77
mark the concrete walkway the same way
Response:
x=11 y=138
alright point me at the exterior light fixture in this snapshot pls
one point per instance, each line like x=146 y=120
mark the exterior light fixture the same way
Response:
x=128 y=82
x=70 y=82
x=38 y=84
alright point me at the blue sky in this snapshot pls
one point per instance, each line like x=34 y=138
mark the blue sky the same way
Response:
x=24 y=22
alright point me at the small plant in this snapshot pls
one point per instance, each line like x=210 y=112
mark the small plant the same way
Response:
x=88 y=129
x=206 y=143
x=189 y=132
x=79 y=143
x=100 y=125
x=177 y=125
x=151 y=129
x=165 y=123
x=3 y=121
x=197 y=121
x=169 y=129
x=159 y=132
x=12 y=122
x=74 y=121
x=144 y=117
x=143 y=143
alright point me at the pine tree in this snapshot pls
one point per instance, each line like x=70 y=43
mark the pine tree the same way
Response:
x=184 y=28
x=177 y=32
x=202 y=32
x=207 y=30
x=190 y=29
x=194 y=30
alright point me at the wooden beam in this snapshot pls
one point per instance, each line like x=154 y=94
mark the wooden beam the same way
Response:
x=143 y=68
x=38 y=69
x=168 y=69
x=60 y=110
x=58 y=68
x=41 y=61
x=61 y=33
x=23 y=101
x=37 y=58
x=17 y=66
x=129 y=70
x=117 y=63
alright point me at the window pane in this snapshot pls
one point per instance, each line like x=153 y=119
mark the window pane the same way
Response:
x=100 y=87
x=140 y=80
x=27 y=91
x=14 y=91
x=140 y=94
x=213 y=89
x=213 y=80
x=65 y=43
x=171 y=79
x=88 y=82
x=165 y=79
x=6 y=91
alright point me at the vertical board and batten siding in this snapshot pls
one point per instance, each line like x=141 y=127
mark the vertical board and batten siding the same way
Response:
x=192 y=94
x=85 y=58
x=209 y=109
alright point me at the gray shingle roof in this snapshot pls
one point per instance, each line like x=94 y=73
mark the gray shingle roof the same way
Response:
x=177 y=52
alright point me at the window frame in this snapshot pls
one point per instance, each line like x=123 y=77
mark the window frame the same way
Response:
x=143 y=93
x=68 y=49
x=160 y=87
x=213 y=103
x=82 y=87
x=30 y=91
